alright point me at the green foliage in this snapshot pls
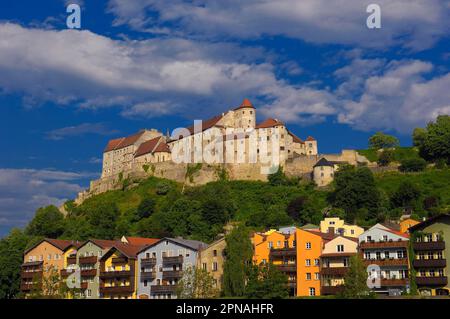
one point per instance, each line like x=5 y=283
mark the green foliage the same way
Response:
x=303 y=210
x=385 y=157
x=145 y=167
x=146 y=208
x=48 y=222
x=191 y=170
x=355 y=189
x=355 y=286
x=163 y=188
x=406 y=195
x=413 y=165
x=11 y=257
x=381 y=140
x=279 y=179
x=196 y=283
x=103 y=220
x=434 y=141
x=266 y=282
x=238 y=260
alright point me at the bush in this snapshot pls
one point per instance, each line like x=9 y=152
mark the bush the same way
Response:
x=163 y=188
x=386 y=157
x=413 y=165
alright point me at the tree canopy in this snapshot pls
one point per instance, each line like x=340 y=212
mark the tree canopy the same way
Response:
x=380 y=140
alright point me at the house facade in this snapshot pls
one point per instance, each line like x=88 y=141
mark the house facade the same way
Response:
x=160 y=266
x=337 y=226
x=212 y=259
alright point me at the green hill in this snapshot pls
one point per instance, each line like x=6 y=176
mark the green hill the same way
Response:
x=399 y=153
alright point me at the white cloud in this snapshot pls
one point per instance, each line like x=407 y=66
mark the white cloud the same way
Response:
x=22 y=191
x=78 y=130
x=416 y=24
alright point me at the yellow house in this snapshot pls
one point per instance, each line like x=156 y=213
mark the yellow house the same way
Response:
x=118 y=272
x=337 y=226
x=212 y=259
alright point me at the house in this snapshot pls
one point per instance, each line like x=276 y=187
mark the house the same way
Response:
x=407 y=223
x=160 y=266
x=337 y=226
x=212 y=259
x=335 y=262
x=48 y=256
x=384 y=252
x=431 y=253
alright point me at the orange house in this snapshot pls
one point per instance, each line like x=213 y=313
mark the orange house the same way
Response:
x=263 y=243
x=406 y=224
x=309 y=246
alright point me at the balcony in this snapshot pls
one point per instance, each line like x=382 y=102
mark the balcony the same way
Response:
x=170 y=261
x=116 y=289
x=119 y=260
x=428 y=263
x=89 y=272
x=158 y=289
x=84 y=285
x=384 y=244
x=331 y=290
x=286 y=267
x=26 y=287
x=87 y=260
x=334 y=271
x=431 y=245
x=431 y=281
x=387 y=262
x=283 y=252
x=393 y=282
x=66 y=272
x=115 y=274
x=148 y=262
x=33 y=265
x=148 y=275
x=71 y=260
x=172 y=274
x=31 y=274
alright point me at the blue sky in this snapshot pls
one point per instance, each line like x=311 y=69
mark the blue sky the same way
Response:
x=152 y=63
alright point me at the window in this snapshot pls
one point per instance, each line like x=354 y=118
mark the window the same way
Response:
x=215 y=266
x=204 y=266
x=378 y=255
x=308 y=262
x=270 y=244
x=145 y=283
x=401 y=254
x=312 y=291
x=339 y=248
x=352 y=231
x=317 y=276
x=215 y=253
x=49 y=257
x=308 y=276
x=386 y=254
x=316 y=262
x=369 y=238
x=346 y=264
x=308 y=245
x=385 y=237
x=278 y=243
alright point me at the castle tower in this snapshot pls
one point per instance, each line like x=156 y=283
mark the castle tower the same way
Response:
x=245 y=115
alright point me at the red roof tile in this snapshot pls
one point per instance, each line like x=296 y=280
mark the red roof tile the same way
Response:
x=162 y=147
x=123 y=141
x=206 y=124
x=269 y=123
x=112 y=144
x=147 y=147
x=245 y=104
x=295 y=138
x=310 y=138
x=139 y=241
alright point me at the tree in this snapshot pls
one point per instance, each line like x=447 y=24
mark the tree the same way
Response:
x=196 y=284
x=279 y=178
x=238 y=260
x=146 y=208
x=406 y=194
x=355 y=189
x=50 y=286
x=103 y=219
x=11 y=257
x=381 y=140
x=266 y=282
x=301 y=210
x=355 y=281
x=412 y=165
x=434 y=141
x=48 y=222
x=386 y=157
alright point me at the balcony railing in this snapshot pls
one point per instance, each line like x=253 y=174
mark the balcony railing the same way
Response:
x=116 y=289
x=88 y=272
x=287 y=267
x=335 y=271
x=383 y=244
x=31 y=274
x=387 y=262
x=432 y=281
x=172 y=274
x=119 y=260
x=331 y=290
x=148 y=275
x=148 y=262
x=170 y=261
x=66 y=272
x=163 y=289
x=431 y=245
x=426 y=263
x=393 y=282
x=26 y=287
x=115 y=274
x=71 y=260
x=87 y=260
x=84 y=285
x=283 y=252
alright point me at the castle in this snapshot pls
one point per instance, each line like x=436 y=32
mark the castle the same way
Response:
x=233 y=140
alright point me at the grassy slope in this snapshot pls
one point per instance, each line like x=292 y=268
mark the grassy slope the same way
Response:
x=400 y=153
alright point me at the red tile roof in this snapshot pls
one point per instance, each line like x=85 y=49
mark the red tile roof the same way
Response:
x=103 y=243
x=61 y=244
x=245 y=104
x=162 y=147
x=206 y=124
x=295 y=138
x=147 y=147
x=139 y=241
x=310 y=138
x=269 y=123
x=398 y=233
x=123 y=141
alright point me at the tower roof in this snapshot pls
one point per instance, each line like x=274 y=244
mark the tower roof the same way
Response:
x=245 y=104
x=269 y=123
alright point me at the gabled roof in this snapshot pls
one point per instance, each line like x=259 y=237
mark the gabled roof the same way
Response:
x=61 y=244
x=140 y=241
x=295 y=138
x=207 y=124
x=102 y=243
x=123 y=141
x=162 y=147
x=191 y=244
x=269 y=123
x=428 y=222
x=310 y=138
x=245 y=104
x=147 y=147
x=323 y=162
